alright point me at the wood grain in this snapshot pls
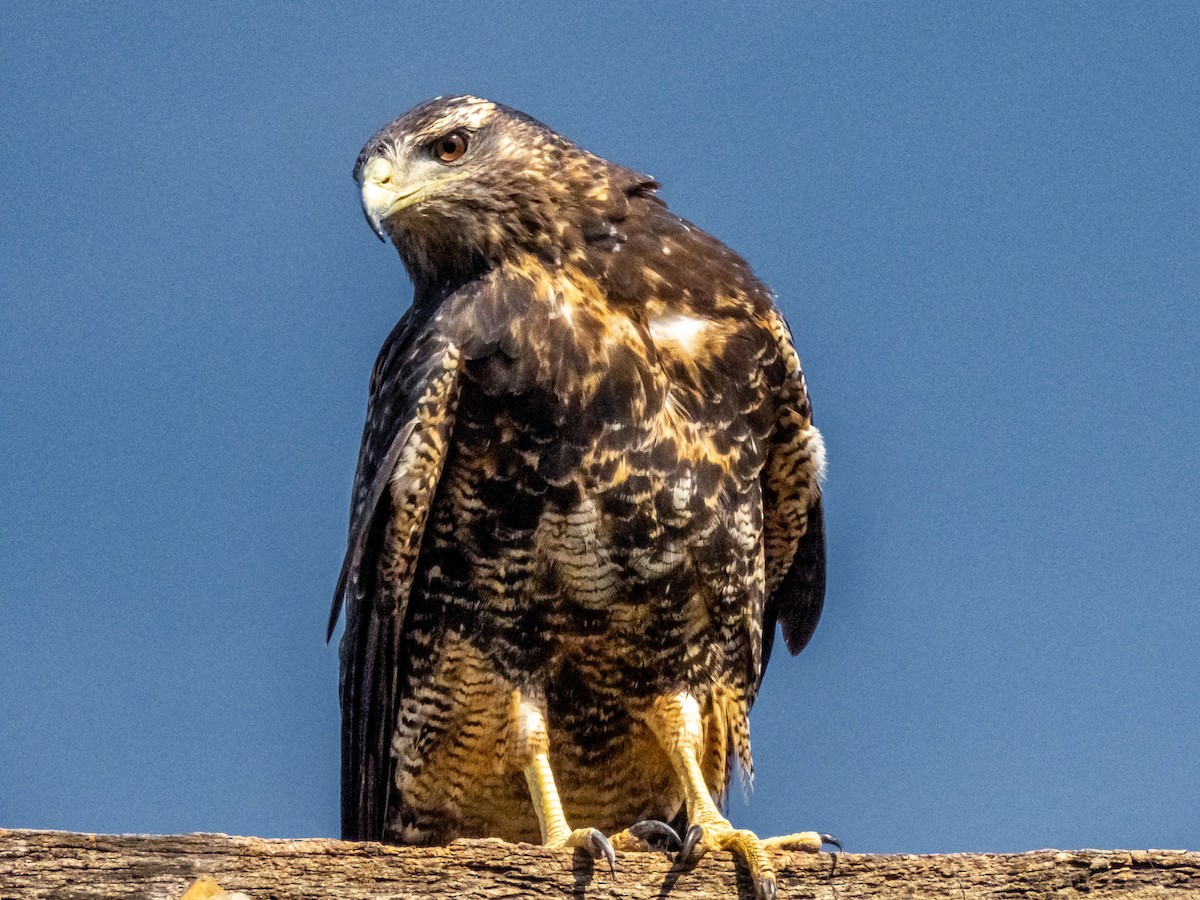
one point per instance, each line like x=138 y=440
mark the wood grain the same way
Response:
x=66 y=866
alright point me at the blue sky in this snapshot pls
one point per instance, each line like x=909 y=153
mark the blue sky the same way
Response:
x=981 y=221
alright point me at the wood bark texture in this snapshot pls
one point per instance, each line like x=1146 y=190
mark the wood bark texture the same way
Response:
x=65 y=866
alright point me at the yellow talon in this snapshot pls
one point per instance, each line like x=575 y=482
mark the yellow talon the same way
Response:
x=720 y=835
x=647 y=836
x=591 y=840
x=678 y=724
x=801 y=841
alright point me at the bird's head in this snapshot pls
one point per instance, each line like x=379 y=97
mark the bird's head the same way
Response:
x=459 y=184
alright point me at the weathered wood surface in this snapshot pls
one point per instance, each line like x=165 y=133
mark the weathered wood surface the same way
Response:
x=64 y=866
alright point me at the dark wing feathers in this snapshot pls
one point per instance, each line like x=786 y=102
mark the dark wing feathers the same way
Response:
x=793 y=517
x=796 y=604
x=793 y=526
x=414 y=391
x=802 y=594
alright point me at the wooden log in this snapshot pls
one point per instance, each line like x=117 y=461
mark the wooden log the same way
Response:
x=65 y=866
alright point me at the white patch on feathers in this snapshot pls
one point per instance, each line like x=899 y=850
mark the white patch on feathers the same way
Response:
x=818 y=452
x=678 y=329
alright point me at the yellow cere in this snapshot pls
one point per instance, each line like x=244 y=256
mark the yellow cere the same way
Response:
x=378 y=170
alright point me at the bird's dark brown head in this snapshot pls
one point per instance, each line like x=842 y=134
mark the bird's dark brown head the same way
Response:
x=461 y=184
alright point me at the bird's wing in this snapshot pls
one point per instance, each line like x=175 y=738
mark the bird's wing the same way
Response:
x=793 y=526
x=410 y=414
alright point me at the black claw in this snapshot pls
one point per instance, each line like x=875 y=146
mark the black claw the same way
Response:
x=687 y=852
x=831 y=841
x=659 y=835
x=602 y=846
x=766 y=888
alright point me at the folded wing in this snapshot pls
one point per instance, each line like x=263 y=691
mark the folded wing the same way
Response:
x=410 y=415
x=793 y=526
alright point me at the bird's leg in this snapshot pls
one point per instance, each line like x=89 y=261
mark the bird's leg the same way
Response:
x=533 y=756
x=677 y=723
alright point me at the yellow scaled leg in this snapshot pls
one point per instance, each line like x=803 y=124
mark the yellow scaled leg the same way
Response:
x=678 y=725
x=533 y=753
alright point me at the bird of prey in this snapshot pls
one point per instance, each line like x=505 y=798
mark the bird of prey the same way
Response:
x=588 y=491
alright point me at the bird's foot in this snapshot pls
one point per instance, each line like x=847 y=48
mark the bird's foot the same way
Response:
x=802 y=841
x=647 y=836
x=746 y=845
x=592 y=841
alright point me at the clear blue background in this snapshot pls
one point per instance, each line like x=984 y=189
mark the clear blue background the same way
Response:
x=981 y=220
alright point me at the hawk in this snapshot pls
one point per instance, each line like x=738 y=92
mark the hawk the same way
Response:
x=588 y=490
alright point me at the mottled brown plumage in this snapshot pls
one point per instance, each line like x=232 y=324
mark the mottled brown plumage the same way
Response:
x=587 y=491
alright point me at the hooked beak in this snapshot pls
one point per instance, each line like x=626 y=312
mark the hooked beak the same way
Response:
x=383 y=194
x=373 y=217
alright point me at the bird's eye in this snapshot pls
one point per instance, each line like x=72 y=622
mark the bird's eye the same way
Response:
x=450 y=147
